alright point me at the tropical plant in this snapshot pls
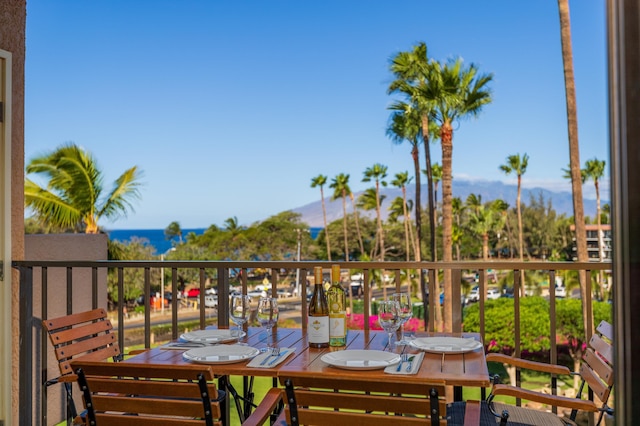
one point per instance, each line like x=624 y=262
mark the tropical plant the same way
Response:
x=481 y=222
x=73 y=198
x=378 y=173
x=413 y=74
x=401 y=180
x=172 y=231
x=320 y=181
x=436 y=172
x=341 y=189
x=404 y=127
x=574 y=148
x=517 y=165
x=459 y=92
x=368 y=201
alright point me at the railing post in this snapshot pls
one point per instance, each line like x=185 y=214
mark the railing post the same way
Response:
x=223 y=297
x=25 y=412
x=456 y=308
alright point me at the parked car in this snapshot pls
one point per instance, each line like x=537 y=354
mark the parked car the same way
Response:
x=473 y=296
x=283 y=292
x=194 y=292
x=210 y=290
x=493 y=293
x=561 y=291
x=211 y=301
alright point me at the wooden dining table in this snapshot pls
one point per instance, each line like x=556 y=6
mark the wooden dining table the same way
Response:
x=457 y=370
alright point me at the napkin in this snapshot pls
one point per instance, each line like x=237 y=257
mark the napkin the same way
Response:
x=284 y=354
x=416 y=362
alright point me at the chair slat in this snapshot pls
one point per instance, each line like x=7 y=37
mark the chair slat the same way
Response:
x=604 y=370
x=73 y=319
x=147 y=387
x=318 y=417
x=64 y=335
x=79 y=347
x=99 y=355
x=606 y=330
x=121 y=420
x=594 y=382
x=603 y=348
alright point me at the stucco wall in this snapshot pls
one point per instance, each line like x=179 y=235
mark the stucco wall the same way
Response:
x=13 y=15
x=63 y=247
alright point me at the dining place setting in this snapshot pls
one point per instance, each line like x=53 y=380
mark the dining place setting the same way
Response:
x=225 y=346
x=393 y=314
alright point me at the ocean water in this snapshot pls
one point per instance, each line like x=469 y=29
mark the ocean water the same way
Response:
x=155 y=237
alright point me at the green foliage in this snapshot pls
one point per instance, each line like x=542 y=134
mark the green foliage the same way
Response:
x=134 y=249
x=500 y=324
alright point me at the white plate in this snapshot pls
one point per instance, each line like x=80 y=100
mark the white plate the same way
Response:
x=211 y=336
x=449 y=345
x=220 y=354
x=360 y=359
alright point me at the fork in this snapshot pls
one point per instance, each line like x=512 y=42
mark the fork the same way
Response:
x=274 y=352
x=403 y=358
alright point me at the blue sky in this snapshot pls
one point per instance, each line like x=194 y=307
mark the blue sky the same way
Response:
x=231 y=108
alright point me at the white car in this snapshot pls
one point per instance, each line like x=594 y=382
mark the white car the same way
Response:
x=561 y=291
x=493 y=293
x=473 y=296
x=210 y=301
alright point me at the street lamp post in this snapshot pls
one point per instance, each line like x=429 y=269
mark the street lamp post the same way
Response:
x=162 y=279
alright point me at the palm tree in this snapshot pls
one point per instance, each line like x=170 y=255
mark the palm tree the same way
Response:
x=401 y=180
x=404 y=127
x=173 y=230
x=457 y=208
x=460 y=92
x=368 y=201
x=474 y=202
x=502 y=208
x=413 y=71
x=340 y=185
x=436 y=172
x=377 y=173
x=73 y=197
x=594 y=170
x=320 y=181
x=518 y=165
x=574 y=156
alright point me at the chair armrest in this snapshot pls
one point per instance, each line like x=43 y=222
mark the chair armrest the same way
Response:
x=262 y=413
x=543 y=398
x=530 y=365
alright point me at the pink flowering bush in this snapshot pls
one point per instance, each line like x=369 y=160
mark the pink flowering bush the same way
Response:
x=356 y=322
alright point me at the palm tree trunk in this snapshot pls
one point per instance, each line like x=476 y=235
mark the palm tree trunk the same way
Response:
x=574 y=158
x=355 y=215
x=416 y=168
x=379 y=217
x=427 y=155
x=446 y=138
x=520 y=237
x=406 y=223
x=344 y=226
x=326 y=228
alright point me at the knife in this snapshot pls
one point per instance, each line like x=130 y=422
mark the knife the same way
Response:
x=282 y=353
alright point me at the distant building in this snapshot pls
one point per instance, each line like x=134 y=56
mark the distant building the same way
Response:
x=592 y=243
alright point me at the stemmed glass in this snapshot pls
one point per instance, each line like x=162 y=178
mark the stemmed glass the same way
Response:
x=389 y=317
x=405 y=313
x=239 y=309
x=268 y=313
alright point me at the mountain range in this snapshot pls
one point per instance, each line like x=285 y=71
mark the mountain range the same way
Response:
x=561 y=202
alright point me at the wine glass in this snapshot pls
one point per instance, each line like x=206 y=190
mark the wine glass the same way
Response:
x=389 y=317
x=239 y=308
x=405 y=313
x=268 y=313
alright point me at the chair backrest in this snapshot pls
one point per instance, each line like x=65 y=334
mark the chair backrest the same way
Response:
x=85 y=334
x=353 y=402
x=596 y=369
x=124 y=393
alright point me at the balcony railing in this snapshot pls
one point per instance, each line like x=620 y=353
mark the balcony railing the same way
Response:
x=34 y=345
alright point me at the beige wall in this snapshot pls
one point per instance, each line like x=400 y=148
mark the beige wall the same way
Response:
x=12 y=39
x=75 y=247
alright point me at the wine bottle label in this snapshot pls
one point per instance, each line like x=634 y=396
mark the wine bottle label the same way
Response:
x=337 y=325
x=318 y=329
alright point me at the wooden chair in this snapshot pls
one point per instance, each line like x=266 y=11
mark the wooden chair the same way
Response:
x=85 y=334
x=596 y=371
x=326 y=401
x=119 y=394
